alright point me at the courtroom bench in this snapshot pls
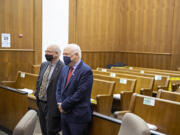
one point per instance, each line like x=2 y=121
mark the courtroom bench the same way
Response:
x=122 y=91
x=27 y=82
x=160 y=112
x=168 y=95
x=144 y=85
x=160 y=81
x=105 y=125
x=13 y=106
x=102 y=95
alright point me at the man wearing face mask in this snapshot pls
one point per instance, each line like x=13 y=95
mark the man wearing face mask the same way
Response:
x=49 y=114
x=73 y=92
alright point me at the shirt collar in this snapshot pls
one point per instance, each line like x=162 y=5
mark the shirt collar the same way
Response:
x=54 y=62
x=75 y=65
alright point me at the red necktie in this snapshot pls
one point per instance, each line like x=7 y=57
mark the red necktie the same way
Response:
x=69 y=75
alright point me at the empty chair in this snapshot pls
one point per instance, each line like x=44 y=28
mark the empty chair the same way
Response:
x=133 y=125
x=27 y=124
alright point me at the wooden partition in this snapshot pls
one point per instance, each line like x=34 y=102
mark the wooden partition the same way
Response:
x=138 y=33
x=141 y=81
x=104 y=125
x=13 y=106
x=128 y=85
x=160 y=81
x=155 y=72
x=102 y=95
x=122 y=92
x=162 y=113
x=22 y=19
x=36 y=69
x=25 y=80
x=152 y=69
x=173 y=96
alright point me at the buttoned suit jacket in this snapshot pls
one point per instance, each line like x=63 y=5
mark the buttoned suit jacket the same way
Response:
x=75 y=95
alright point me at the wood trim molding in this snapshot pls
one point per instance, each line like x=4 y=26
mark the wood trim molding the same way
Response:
x=18 y=50
x=153 y=53
x=72 y=21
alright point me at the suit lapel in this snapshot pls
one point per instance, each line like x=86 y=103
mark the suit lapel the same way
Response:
x=73 y=74
x=66 y=70
x=55 y=72
x=43 y=70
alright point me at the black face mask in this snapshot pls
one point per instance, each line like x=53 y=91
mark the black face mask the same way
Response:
x=49 y=57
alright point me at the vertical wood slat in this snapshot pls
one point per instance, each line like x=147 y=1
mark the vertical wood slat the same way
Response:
x=102 y=59
x=130 y=26
x=20 y=17
x=175 y=60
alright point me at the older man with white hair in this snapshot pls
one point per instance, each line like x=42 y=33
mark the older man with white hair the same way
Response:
x=73 y=92
x=49 y=114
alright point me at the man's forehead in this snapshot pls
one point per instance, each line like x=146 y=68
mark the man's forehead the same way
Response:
x=68 y=50
x=50 y=48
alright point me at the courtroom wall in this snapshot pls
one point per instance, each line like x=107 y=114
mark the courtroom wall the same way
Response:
x=20 y=17
x=137 y=32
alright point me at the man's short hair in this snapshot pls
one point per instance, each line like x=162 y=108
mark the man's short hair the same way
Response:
x=75 y=48
x=56 y=48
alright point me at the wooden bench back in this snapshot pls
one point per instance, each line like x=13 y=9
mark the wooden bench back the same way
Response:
x=13 y=106
x=36 y=69
x=26 y=80
x=162 y=113
x=141 y=82
x=148 y=71
x=173 y=96
x=102 y=96
x=105 y=125
x=152 y=69
x=102 y=87
x=159 y=80
x=122 y=84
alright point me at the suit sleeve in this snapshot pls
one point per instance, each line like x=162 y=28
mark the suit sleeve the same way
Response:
x=58 y=89
x=83 y=91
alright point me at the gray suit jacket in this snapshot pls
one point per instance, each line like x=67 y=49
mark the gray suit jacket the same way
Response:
x=51 y=90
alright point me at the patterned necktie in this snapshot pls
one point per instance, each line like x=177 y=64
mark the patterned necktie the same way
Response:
x=42 y=92
x=69 y=74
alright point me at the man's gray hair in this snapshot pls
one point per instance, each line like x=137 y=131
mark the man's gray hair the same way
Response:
x=56 y=48
x=75 y=48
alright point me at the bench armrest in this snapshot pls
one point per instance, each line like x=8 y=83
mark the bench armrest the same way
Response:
x=9 y=83
x=145 y=91
x=104 y=104
x=162 y=87
x=125 y=99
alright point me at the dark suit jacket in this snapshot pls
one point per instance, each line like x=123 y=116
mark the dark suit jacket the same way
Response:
x=51 y=90
x=75 y=96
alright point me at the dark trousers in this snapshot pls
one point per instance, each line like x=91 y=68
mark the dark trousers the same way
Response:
x=50 y=125
x=71 y=128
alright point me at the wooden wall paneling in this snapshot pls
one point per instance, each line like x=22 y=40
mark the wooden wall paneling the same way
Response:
x=175 y=60
x=4 y=65
x=96 y=25
x=18 y=63
x=72 y=20
x=20 y=17
x=138 y=32
x=37 y=32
